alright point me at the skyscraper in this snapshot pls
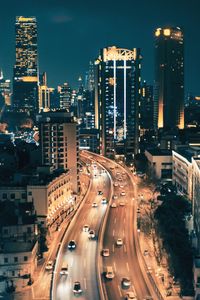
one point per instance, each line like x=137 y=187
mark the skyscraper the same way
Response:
x=169 y=78
x=117 y=100
x=25 y=81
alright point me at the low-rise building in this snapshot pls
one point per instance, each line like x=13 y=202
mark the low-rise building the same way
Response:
x=196 y=198
x=18 y=235
x=50 y=192
x=182 y=169
x=159 y=163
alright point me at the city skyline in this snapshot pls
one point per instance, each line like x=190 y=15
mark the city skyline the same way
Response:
x=83 y=24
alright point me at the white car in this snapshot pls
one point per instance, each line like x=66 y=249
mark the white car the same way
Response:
x=94 y=204
x=122 y=203
x=91 y=234
x=113 y=205
x=123 y=193
x=119 y=242
x=106 y=252
x=115 y=197
x=86 y=228
x=49 y=265
x=126 y=282
x=115 y=184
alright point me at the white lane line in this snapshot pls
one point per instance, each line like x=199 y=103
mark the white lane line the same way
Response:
x=85 y=285
x=115 y=267
x=124 y=220
x=113 y=232
x=84 y=263
x=72 y=261
x=125 y=249
x=70 y=282
x=120 y=293
x=86 y=245
x=115 y=221
x=127 y=265
x=123 y=233
x=113 y=248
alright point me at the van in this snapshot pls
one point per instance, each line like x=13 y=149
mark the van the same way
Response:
x=109 y=272
x=64 y=269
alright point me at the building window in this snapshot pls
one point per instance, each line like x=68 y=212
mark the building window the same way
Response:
x=25 y=258
x=15 y=259
x=12 y=196
x=30 y=193
x=4 y=196
x=5 y=260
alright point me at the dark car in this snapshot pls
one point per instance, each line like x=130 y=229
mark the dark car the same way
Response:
x=77 y=288
x=72 y=245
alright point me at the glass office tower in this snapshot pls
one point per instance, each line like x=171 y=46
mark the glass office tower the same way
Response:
x=117 y=101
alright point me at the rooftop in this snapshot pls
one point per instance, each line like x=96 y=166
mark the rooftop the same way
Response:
x=159 y=152
x=16 y=247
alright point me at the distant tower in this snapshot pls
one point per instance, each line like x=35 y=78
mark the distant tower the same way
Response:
x=169 y=78
x=65 y=92
x=117 y=101
x=25 y=81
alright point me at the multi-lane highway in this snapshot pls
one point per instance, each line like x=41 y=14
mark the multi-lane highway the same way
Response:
x=85 y=263
x=82 y=261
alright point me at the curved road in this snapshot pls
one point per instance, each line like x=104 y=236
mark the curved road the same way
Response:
x=82 y=260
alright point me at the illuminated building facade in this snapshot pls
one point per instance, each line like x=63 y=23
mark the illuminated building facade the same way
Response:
x=25 y=81
x=5 y=91
x=65 y=93
x=169 y=78
x=117 y=100
x=146 y=106
x=45 y=94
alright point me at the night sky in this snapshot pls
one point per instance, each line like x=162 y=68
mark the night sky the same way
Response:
x=70 y=33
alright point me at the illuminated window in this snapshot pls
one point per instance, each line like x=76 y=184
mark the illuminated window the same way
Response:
x=167 y=32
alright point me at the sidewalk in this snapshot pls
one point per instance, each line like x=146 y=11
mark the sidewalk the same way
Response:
x=151 y=248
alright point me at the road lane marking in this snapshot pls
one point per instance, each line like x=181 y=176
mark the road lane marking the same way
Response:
x=113 y=232
x=72 y=261
x=119 y=290
x=124 y=220
x=123 y=233
x=113 y=248
x=125 y=250
x=85 y=285
x=127 y=265
x=115 y=221
x=86 y=245
x=115 y=266
x=84 y=263
x=70 y=283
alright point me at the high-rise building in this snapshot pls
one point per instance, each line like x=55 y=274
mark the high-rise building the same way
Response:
x=59 y=141
x=45 y=94
x=169 y=78
x=146 y=106
x=25 y=81
x=65 y=92
x=117 y=101
x=5 y=90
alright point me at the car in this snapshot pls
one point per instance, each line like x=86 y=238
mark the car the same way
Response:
x=148 y=298
x=64 y=269
x=105 y=252
x=104 y=201
x=121 y=186
x=100 y=193
x=49 y=265
x=130 y=296
x=91 y=234
x=119 y=179
x=122 y=203
x=94 y=204
x=115 y=184
x=146 y=252
x=115 y=197
x=109 y=274
x=123 y=193
x=77 y=288
x=126 y=282
x=72 y=245
x=119 y=242
x=113 y=205
x=86 y=228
